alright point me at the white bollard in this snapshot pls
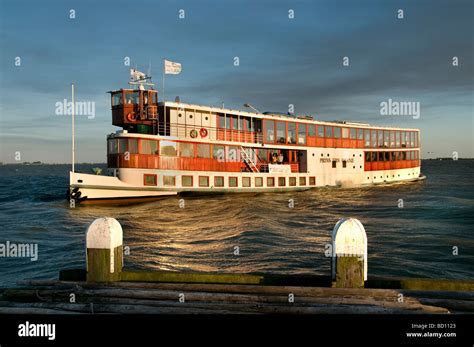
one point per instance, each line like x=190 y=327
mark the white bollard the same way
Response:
x=104 y=254
x=349 y=257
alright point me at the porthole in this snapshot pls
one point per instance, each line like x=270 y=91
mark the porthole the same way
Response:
x=321 y=154
x=302 y=154
x=190 y=116
x=180 y=115
x=207 y=118
x=328 y=154
x=353 y=155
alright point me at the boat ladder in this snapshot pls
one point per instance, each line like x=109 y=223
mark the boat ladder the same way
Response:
x=245 y=154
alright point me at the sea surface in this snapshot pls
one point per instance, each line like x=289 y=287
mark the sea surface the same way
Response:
x=431 y=236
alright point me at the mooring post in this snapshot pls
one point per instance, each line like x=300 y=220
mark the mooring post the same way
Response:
x=104 y=242
x=349 y=254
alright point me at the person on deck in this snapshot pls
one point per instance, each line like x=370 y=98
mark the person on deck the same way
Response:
x=280 y=158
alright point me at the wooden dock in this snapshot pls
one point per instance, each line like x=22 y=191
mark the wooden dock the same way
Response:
x=107 y=287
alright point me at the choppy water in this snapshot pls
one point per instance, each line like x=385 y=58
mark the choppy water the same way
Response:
x=416 y=240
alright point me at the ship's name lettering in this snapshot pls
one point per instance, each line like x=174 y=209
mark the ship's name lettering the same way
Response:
x=329 y=160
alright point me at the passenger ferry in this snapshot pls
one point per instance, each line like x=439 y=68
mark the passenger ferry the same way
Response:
x=169 y=148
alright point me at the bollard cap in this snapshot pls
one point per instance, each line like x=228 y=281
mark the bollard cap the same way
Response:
x=349 y=239
x=104 y=233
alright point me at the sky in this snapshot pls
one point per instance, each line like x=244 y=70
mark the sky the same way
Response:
x=282 y=61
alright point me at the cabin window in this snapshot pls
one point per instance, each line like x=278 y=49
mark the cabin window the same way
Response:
x=367 y=157
x=168 y=149
x=203 y=181
x=232 y=181
x=218 y=152
x=386 y=138
x=218 y=181
x=281 y=132
x=374 y=157
x=416 y=138
x=380 y=154
x=270 y=182
x=113 y=146
x=247 y=124
x=334 y=164
x=186 y=150
x=320 y=131
x=392 y=138
x=393 y=156
x=353 y=133
x=312 y=130
x=169 y=181
x=374 y=138
x=187 y=181
x=366 y=137
x=328 y=131
x=235 y=122
x=337 y=132
x=397 y=139
x=258 y=181
x=344 y=163
x=387 y=156
x=403 y=139
x=222 y=121
x=133 y=146
x=245 y=181
x=291 y=133
x=302 y=181
x=122 y=145
x=292 y=181
x=301 y=134
x=132 y=98
x=203 y=150
x=269 y=131
x=312 y=181
x=150 y=180
x=360 y=134
x=345 y=133
x=404 y=155
x=117 y=99
x=380 y=138
x=232 y=154
x=281 y=181
x=148 y=147
x=407 y=138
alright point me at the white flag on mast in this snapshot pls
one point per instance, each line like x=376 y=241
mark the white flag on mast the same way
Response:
x=172 y=68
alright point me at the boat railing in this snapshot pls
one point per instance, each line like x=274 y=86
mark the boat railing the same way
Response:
x=202 y=131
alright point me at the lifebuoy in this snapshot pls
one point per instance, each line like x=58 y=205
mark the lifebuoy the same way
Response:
x=203 y=132
x=131 y=117
x=193 y=133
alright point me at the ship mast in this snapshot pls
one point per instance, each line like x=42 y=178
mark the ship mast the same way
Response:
x=72 y=126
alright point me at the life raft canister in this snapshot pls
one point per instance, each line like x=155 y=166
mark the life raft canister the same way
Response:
x=193 y=133
x=203 y=132
x=131 y=117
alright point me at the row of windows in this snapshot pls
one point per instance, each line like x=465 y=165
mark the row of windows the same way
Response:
x=233 y=182
x=297 y=133
x=174 y=149
x=372 y=157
